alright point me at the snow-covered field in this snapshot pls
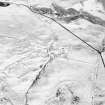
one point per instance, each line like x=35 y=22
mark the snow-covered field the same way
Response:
x=52 y=52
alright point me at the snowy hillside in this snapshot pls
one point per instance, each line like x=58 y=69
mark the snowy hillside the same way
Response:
x=52 y=52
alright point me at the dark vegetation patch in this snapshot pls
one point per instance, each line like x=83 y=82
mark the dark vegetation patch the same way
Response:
x=4 y=4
